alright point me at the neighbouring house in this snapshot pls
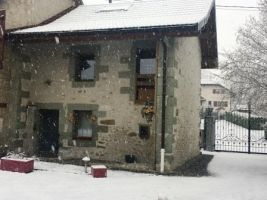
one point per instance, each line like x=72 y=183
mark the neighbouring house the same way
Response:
x=214 y=91
x=118 y=82
x=16 y=14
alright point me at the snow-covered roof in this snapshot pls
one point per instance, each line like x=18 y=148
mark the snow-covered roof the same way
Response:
x=144 y=14
x=213 y=77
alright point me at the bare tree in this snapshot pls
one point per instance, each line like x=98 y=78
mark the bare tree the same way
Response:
x=246 y=66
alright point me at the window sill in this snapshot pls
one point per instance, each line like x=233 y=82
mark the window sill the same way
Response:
x=152 y=76
x=142 y=102
x=83 y=138
x=84 y=81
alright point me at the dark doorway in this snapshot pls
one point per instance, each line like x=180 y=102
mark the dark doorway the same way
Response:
x=48 y=133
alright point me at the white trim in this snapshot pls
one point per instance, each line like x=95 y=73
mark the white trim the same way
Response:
x=162 y=160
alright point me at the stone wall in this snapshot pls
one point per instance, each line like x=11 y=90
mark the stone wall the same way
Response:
x=20 y=13
x=4 y=85
x=182 y=101
x=4 y=101
x=187 y=66
x=47 y=82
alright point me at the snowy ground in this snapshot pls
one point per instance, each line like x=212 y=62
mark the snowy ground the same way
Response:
x=235 y=177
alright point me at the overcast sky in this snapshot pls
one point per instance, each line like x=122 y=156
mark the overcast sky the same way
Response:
x=229 y=20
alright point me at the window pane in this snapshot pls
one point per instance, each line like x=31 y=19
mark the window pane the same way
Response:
x=85 y=132
x=147 y=66
x=88 y=70
x=145 y=94
x=84 y=126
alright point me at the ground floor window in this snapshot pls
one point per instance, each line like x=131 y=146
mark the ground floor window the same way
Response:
x=220 y=103
x=83 y=126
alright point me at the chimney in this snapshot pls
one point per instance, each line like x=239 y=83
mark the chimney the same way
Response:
x=110 y=1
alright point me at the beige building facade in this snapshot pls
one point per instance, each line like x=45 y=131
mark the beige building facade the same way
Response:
x=216 y=97
x=215 y=92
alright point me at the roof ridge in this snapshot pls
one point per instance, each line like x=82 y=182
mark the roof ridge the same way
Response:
x=125 y=2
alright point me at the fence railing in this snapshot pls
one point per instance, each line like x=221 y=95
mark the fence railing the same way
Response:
x=238 y=132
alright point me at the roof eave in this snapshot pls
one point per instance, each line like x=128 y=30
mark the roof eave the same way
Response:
x=192 y=28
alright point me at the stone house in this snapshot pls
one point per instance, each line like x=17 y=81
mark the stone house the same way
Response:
x=214 y=91
x=118 y=82
x=30 y=13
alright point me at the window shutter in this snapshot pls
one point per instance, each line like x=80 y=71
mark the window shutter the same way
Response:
x=2 y=36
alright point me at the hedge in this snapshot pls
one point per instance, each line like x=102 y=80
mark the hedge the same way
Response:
x=256 y=123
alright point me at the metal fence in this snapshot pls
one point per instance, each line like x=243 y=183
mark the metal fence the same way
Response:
x=240 y=132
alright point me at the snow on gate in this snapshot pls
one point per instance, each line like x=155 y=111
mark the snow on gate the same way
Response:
x=232 y=137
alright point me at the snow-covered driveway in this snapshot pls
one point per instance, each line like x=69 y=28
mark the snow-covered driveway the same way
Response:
x=235 y=177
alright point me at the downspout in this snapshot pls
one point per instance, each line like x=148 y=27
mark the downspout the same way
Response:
x=164 y=77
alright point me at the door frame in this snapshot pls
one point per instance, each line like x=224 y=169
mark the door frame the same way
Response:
x=39 y=123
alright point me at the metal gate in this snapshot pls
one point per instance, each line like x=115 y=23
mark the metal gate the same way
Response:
x=240 y=132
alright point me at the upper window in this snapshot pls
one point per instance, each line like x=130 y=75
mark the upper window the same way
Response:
x=218 y=91
x=146 y=61
x=145 y=75
x=147 y=66
x=85 y=69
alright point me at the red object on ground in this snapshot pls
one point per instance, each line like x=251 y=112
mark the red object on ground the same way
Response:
x=99 y=171
x=17 y=165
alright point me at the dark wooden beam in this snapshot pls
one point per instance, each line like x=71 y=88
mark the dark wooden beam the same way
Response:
x=208 y=43
x=123 y=34
x=2 y=36
x=3 y=105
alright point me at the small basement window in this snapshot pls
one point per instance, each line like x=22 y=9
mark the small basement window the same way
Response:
x=83 y=124
x=144 y=131
x=85 y=68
